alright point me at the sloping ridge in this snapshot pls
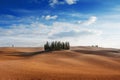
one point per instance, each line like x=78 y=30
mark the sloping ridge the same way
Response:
x=77 y=59
x=61 y=65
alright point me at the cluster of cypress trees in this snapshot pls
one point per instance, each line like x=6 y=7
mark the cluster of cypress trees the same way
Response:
x=56 y=45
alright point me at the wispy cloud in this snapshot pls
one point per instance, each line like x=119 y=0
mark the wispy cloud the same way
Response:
x=7 y=16
x=88 y=22
x=49 y=17
x=33 y=33
x=53 y=2
x=70 y=2
x=75 y=34
x=57 y=2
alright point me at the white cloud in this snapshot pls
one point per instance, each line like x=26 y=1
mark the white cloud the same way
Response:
x=53 y=2
x=88 y=22
x=74 y=33
x=79 y=22
x=57 y=2
x=70 y=2
x=35 y=34
x=49 y=17
x=64 y=29
x=25 y=30
x=91 y=20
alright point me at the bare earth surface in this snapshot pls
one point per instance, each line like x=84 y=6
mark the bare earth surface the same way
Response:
x=79 y=63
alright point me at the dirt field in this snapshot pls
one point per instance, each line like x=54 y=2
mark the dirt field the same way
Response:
x=79 y=63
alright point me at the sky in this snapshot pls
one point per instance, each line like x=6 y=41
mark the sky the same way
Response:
x=30 y=23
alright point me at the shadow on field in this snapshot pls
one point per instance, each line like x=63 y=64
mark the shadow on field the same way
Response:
x=28 y=54
x=110 y=53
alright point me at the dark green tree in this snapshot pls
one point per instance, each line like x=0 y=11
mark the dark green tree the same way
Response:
x=47 y=46
x=57 y=45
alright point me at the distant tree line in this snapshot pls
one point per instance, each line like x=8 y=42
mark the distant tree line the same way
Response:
x=56 y=45
x=95 y=46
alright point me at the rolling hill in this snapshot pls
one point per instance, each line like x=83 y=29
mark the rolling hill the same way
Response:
x=78 y=63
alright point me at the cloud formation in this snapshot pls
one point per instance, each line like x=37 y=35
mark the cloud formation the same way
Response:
x=74 y=33
x=70 y=2
x=88 y=22
x=36 y=28
x=36 y=32
x=49 y=17
x=32 y=34
x=57 y=2
x=53 y=2
x=91 y=20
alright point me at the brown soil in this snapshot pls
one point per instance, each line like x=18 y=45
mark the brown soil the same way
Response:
x=79 y=63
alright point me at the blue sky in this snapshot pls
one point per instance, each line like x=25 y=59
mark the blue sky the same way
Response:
x=82 y=22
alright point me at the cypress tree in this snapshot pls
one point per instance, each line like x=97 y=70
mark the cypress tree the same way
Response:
x=68 y=45
x=52 y=46
x=63 y=45
x=47 y=46
x=57 y=45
